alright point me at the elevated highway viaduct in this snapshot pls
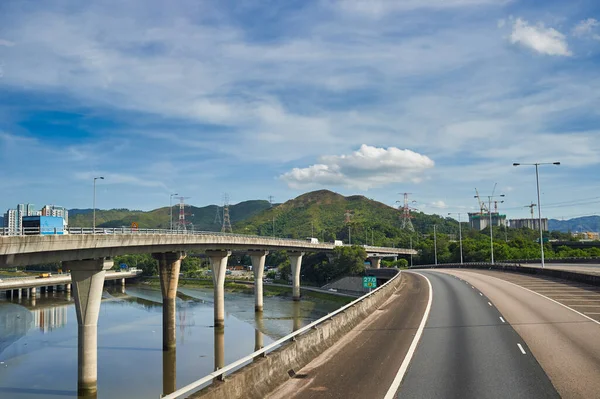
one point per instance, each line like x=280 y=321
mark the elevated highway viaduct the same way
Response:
x=89 y=256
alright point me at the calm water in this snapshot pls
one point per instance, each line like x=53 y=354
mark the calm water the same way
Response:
x=38 y=340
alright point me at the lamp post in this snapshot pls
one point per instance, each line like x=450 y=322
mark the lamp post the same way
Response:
x=94 y=217
x=171 y=210
x=459 y=236
x=537 y=181
x=435 y=244
x=490 y=197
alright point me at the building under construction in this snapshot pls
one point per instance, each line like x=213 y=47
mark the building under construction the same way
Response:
x=531 y=223
x=481 y=220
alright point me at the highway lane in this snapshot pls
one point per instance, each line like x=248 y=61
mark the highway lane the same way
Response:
x=364 y=363
x=566 y=343
x=467 y=351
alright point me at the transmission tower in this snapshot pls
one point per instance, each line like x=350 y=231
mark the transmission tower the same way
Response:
x=226 y=227
x=181 y=222
x=218 y=216
x=405 y=217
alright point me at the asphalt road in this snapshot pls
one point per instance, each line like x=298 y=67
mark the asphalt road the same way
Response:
x=545 y=313
x=467 y=351
x=364 y=363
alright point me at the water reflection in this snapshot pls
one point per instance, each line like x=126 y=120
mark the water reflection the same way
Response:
x=219 y=347
x=258 y=335
x=169 y=360
x=296 y=315
x=38 y=340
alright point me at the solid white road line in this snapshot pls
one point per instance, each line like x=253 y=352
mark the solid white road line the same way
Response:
x=391 y=393
x=522 y=350
x=502 y=320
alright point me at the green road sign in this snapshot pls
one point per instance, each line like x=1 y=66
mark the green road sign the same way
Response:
x=369 y=282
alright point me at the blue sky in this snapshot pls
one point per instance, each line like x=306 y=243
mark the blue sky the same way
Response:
x=259 y=98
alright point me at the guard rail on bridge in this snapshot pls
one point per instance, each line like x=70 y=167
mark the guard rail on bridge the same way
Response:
x=220 y=374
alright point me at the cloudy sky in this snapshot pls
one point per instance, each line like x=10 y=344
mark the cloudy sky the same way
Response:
x=258 y=98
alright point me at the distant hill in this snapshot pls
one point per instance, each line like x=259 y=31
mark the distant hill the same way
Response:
x=586 y=223
x=322 y=215
x=202 y=218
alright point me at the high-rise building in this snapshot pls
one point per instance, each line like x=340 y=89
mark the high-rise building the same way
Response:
x=533 y=224
x=479 y=221
x=57 y=211
x=11 y=221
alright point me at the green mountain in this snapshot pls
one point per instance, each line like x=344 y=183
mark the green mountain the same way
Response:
x=322 y=214
x=202 y=218
x=581 y=224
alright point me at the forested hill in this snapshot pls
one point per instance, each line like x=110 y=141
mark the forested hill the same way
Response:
x=202 y=218
x=322 y=214
x=581 y=224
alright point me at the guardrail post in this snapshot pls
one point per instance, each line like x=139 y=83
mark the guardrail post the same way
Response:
x=258 y=267
x=88 y=281
x=218 y=261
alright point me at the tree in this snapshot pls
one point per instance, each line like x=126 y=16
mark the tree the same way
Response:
x=349 y=260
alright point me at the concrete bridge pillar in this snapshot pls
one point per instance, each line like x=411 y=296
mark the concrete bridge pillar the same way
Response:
x=123 y=282
x=33 y=291
x=169 y=264
x=218 y=262
x=296 y=263
x=68 y=287
x=19 y=293
x=88 y=279
x=375 y=262
x=296 y=317
x=258 y=266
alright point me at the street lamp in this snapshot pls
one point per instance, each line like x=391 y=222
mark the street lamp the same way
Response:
x=537 y=181
x=94 y=217
x=435 y=244
x=171 y=209
x=459 y=235
x=490 y=197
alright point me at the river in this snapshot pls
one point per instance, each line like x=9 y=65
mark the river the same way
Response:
x=38 y=340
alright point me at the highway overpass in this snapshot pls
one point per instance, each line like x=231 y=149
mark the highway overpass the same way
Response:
x=88 y=255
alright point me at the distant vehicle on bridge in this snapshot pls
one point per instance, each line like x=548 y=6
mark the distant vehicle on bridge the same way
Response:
x=338 y=242
x=312 y=240
x=44 y=275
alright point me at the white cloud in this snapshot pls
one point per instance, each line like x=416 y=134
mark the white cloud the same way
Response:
x=439 y=204
x=366 y=168
x=585 y=27
x=539 y=38
x=379 y=8
x=6 y=43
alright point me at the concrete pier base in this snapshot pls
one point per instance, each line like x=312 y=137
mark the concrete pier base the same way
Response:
x=88 y=279
x=296 y=263
x=258 y=267
x=169 y=264
x=258 y=335
x=218 y=261
x=296 y=316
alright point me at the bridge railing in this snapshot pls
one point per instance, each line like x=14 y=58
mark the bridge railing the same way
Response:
x=220 y=374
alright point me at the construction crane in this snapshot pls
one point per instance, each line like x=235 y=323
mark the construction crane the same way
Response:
x=531 y=206
x=482 y=207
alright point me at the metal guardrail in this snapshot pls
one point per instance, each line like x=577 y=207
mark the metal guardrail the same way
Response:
x=464 y=264
x=220 y=374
